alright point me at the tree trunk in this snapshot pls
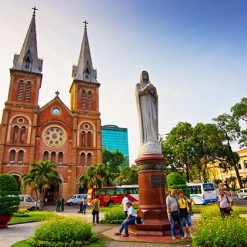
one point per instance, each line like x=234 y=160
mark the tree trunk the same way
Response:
x=187 y=173
x=238 y=176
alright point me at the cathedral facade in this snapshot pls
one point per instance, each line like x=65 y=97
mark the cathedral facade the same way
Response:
x=68 y=137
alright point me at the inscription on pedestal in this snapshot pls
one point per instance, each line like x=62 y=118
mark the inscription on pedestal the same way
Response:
x=157 y=181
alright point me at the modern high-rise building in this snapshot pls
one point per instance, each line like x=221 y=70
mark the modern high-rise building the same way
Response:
x=114 y=137
x=70 y=138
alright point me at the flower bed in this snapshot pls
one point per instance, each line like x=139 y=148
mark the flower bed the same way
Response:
x=113 y=215
x=215 y=231
x=63 y=231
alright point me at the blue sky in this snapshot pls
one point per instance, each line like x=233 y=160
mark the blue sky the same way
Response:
x=195 y=53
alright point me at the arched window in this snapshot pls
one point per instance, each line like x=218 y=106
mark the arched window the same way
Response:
x=12 y=156
x=20 y=156
x=82 y=161
x=60 y=158
x=23 y=134
x=90 y=98
x=83 y=99
x=28 y=91
x=27 y=63
x=53 y=157
x=89 y=159
x=20 y=90
x=15 y=134
x=89 y=139
x=239 y=166
x=83 y=138
x=46 y=156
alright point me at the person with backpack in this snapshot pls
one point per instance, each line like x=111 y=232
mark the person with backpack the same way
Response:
x=174 y=214
x=225 y=203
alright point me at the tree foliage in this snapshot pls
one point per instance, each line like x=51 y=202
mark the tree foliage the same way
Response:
x=231 y=129
x=113 y=159
x=177 y=181
x=96 y=175
x=40 y=177
x=9 y=191
x=128 y=175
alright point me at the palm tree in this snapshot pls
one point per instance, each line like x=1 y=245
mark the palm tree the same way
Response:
x=96 y=175
x=40 y=177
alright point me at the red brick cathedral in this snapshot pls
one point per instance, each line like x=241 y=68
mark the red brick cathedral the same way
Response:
x=70 y=138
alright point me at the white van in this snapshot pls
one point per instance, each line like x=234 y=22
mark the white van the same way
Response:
x=76 y=199
x=242 y=193
x=27 y=201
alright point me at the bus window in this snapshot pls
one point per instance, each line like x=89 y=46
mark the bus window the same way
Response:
x=111 y=192
x=195 y=189
x=102 y=192
x=120 y=191
x=208 y=187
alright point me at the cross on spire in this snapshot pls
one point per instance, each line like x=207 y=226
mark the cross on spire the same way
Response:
x=34 y=10
x=85 y=22
x=57 y=93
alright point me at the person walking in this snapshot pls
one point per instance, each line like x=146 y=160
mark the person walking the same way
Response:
x=225 y=203
x=95 y=212
x=84 y=204
x=130 y=220
x=62 y=204
x=124 y=203
x=173 y=214
x=185 y=212
x=58 y=205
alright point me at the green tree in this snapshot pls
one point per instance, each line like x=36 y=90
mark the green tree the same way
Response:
x=231 y=129
x=96 y=175
x=40 y=177
x=177 y=147
x=113 y=159
x=177 y=181
x=207 y=147
x=9 y=191
x=128 y=175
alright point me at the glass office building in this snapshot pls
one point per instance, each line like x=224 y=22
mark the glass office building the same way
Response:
x=114 y=137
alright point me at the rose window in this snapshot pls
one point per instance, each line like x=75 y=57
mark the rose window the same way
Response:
x=54 y=136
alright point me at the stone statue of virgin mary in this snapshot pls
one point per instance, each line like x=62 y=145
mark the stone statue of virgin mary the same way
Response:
x=147 y=107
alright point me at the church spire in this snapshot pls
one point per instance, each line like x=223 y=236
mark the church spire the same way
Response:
x=84 y=70
x=28 y=59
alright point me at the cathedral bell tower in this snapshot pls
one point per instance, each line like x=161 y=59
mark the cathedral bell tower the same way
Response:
x=84 y=104
x=19 y=120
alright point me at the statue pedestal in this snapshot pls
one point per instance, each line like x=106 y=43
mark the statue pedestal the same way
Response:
x=152 y=195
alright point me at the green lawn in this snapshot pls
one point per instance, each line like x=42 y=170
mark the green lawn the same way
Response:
x=23 y=243
x=31 y=216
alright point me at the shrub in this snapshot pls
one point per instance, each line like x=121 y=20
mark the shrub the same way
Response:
x=177 y=181
x=9 y=191
x=114 y=215
x=63 y=231
x=213 y=230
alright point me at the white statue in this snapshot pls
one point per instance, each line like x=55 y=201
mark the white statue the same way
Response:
x=147 y=107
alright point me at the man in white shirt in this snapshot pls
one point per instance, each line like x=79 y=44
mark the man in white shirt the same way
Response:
x=130 y=220
x=225 y=203
x=124 y=201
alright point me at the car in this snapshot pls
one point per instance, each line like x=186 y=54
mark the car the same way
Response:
x=75 y=199
x=26 y=201
x=242 y=193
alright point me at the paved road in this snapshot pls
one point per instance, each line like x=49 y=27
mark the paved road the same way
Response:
x=239 y=202
x=16 y=233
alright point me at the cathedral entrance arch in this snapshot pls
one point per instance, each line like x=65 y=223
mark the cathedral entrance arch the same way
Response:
x=54 y=193
x=17 y=178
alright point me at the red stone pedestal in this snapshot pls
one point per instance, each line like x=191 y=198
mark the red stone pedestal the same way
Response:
x=152 y=195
